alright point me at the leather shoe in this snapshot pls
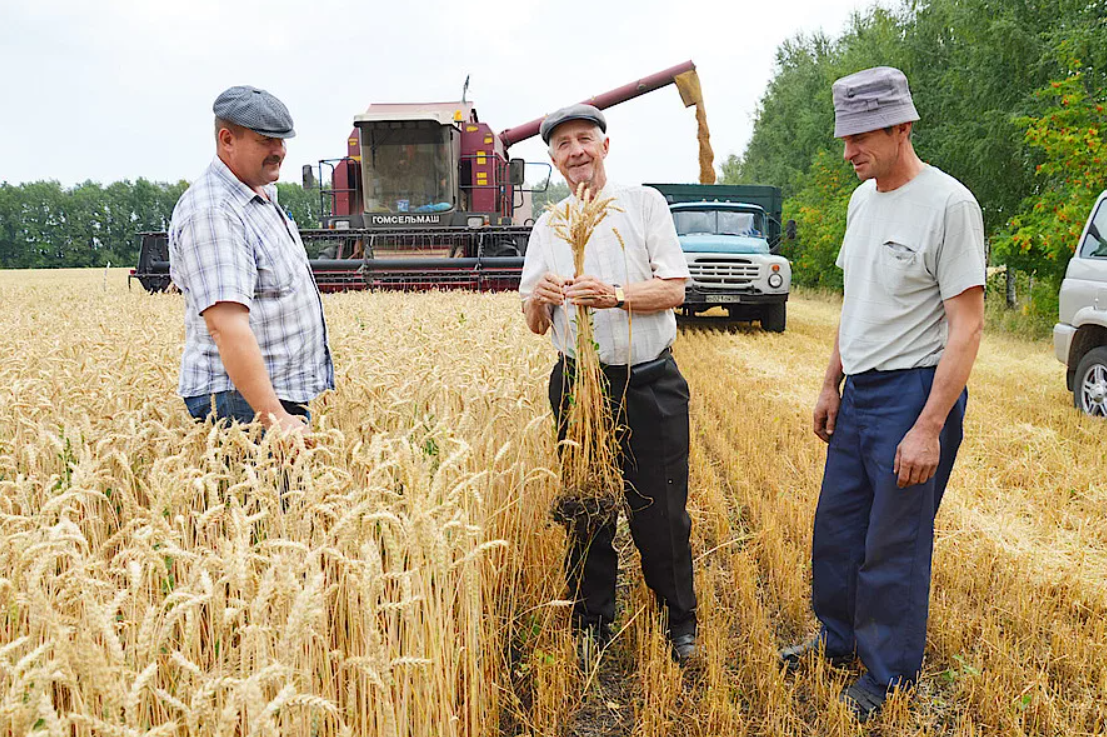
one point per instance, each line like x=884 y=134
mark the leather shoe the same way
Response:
x=862 y=702
x=791 y=657
x=683 y=647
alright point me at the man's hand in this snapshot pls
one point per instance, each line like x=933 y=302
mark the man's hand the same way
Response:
x=917 y=457
x=550 y=289
x=826 y=412
x=284 y=421
x=589 y=291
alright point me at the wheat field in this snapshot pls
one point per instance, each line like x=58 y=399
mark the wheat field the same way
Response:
x=401 y=576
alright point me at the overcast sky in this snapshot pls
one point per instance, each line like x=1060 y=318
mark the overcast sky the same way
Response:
x=121 y=89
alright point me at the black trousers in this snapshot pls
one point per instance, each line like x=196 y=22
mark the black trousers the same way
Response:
x=650 y=403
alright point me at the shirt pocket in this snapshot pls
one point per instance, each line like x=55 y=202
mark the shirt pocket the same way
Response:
x=276 y=273
x=902 y=267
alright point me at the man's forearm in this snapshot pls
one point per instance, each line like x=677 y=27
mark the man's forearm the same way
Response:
x=537 y=315
x=950 y=377
x=834 y=372
x=241 y=355
x=654 y=295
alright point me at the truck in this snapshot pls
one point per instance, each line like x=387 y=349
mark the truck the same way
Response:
x=426 y=197
x=1080 y=335
x=731 y=236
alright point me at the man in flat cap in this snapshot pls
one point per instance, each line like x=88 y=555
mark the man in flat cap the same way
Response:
x=255 y=337
x=648 y=393
x=912 y=317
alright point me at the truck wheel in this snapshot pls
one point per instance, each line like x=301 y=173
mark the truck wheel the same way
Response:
x=1089 y=389
x=774 y=318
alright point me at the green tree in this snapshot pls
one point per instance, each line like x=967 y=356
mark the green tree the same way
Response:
x=819 y=210
x=302 y=204
x=556 y=192
x=1069 y=133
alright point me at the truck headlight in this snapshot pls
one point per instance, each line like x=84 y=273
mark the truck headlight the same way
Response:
x=775 y=280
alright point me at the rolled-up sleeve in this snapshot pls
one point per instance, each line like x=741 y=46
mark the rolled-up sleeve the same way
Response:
x=666 y=256
x=212 y=260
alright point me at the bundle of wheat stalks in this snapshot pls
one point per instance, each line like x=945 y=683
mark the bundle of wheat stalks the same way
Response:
x=590 y=454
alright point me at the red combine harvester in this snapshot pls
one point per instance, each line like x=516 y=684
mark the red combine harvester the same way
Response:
x=425 y=198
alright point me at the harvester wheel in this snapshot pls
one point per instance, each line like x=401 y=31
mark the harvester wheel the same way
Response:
x=502 y=249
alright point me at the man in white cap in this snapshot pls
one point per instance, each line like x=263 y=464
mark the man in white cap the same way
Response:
x=912 y=318
x=648 y=393
x=255 y=336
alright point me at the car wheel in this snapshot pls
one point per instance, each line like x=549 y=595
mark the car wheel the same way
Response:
x=1089 y=389
x=774 y=318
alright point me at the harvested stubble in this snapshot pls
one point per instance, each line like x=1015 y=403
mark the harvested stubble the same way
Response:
x=149 y=577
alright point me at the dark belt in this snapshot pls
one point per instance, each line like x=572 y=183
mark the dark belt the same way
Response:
x=641 y=374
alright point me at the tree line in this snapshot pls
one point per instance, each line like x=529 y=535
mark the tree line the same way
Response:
x=1011 y=94
x=44 y=225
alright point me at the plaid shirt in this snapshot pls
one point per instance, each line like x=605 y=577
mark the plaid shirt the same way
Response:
x=229 y=244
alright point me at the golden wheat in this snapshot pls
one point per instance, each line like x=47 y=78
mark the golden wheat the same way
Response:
x=589 y=457
x=154 y=581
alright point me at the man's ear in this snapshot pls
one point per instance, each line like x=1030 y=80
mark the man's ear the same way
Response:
x=226 y=138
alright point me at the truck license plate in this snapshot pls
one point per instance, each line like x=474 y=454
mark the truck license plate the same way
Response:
x=724 y=298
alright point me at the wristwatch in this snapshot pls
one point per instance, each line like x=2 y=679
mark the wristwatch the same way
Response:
x=620 y=297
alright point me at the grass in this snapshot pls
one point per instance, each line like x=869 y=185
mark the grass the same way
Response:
x=152 y=581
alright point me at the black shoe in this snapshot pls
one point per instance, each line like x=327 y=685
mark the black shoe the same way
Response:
x=862 y=702
x=683 y=647
x=791 y=657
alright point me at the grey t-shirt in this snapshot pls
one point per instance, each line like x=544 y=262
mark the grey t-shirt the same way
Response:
x=905 y=251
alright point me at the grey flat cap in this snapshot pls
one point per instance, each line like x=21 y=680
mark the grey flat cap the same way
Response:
x=573 y=112
x=255 y=109
x=872 y=99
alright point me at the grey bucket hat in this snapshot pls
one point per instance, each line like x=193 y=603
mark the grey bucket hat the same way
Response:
x=573 y=112
x=872 y=99
x=255 y=109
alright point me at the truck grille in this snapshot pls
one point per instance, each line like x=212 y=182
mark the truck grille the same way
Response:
x=721 y=273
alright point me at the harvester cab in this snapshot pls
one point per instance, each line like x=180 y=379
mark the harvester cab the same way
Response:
x=431 y=164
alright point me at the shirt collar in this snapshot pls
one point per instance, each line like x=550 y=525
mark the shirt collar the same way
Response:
x=239 y=189
x=608 y=190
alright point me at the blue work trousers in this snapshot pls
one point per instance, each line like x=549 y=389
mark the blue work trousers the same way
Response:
x=872 y=544
x=231 y=405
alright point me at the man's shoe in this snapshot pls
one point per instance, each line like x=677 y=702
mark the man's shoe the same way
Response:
x=862 y=702
x=683 y=647
x=791 y=657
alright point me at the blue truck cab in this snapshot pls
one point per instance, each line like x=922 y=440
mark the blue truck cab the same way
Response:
x=730 y=235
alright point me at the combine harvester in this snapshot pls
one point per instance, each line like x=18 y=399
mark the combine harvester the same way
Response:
x=425 y=198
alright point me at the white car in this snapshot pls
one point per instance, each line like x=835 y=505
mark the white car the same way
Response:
x=1080 y=338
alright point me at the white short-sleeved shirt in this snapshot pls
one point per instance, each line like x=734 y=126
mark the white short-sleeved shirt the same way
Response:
x=904 y=252
x=652 y=250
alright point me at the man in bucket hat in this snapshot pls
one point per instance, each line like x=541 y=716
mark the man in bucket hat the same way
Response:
x=912 y=316
x=255 y=337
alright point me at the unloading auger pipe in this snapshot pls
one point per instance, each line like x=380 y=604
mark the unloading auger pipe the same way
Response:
x=607 y=99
